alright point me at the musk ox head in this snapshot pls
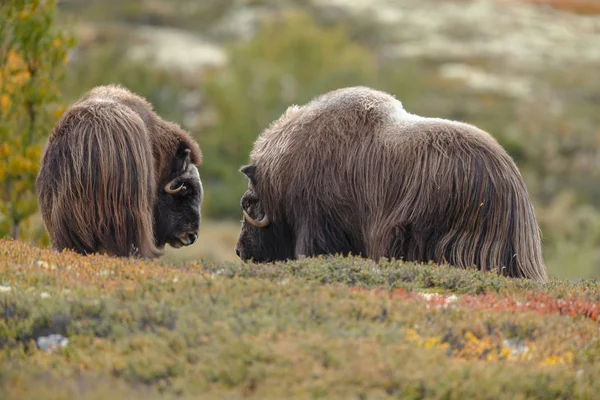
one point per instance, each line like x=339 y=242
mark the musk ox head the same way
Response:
x=118 y=179
x=177 y=211
x=352 y=172
x=261 y=239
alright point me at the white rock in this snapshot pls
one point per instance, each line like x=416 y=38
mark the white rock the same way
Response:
x=52 y=342
x=451 y=299
x=516 y=346
x=45 y=265
x=428 y=296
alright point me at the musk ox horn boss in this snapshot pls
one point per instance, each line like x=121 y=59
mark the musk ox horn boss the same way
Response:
x=352 y=172
x=116 y=178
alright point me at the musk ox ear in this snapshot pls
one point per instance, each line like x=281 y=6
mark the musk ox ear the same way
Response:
x=249 y=171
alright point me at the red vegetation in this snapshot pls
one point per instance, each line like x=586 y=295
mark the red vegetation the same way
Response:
x=541 y=303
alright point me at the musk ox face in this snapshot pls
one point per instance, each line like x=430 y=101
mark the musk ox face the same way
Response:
x=261 y=239
x=177 y=211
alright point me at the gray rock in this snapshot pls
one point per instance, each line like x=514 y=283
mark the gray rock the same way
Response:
x=51 y=342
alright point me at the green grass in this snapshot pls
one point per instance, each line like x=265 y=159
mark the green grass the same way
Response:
x=315 y=328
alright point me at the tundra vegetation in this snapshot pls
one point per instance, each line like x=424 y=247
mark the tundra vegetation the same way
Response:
x=316 y=328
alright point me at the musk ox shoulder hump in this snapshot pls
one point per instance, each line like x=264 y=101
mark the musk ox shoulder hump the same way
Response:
x=328 y=117
x=386 y=106
x=357 y=99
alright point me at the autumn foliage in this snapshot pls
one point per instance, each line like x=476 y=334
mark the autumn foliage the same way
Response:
x=33 y=54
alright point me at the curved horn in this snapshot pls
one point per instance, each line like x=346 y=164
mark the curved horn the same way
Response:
x=173 y=191
x=257 y=224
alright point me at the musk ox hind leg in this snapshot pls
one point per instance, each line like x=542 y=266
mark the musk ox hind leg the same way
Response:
x=470 y=209
x=96 y=182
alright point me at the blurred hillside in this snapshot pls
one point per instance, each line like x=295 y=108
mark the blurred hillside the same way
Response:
x=526 y=71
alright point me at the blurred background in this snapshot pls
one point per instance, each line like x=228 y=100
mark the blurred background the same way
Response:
x=527 y=71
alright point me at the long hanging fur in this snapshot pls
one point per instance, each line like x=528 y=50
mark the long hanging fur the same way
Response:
x=353 y=172
x=99 y=172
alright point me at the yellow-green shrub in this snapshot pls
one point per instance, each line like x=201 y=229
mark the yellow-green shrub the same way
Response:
x=32 y=58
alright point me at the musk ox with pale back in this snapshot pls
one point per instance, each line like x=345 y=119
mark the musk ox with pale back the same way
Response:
x=352 y=172
x=117 y=179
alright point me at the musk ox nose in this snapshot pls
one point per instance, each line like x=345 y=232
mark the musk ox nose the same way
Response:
x=238 y=251
x=192 y=238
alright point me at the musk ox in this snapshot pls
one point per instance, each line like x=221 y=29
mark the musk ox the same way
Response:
x=115 y=178
x=352 y=172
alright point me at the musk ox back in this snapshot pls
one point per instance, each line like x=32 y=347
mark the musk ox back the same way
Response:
x=115 y=178
x=352 y=172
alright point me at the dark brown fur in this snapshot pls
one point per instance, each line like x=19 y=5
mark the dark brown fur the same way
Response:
x=100 y=185
x=352 y=172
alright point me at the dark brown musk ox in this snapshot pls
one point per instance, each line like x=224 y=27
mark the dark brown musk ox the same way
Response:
x=352 y=172
x=115 y=178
